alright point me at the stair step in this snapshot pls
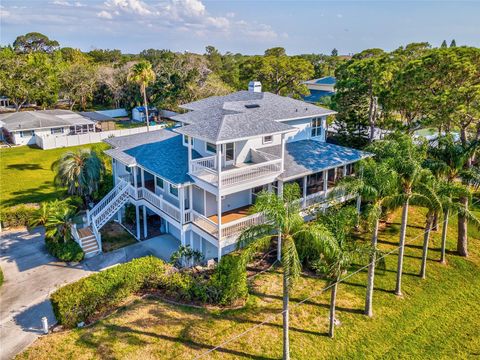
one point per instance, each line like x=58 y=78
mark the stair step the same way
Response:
x=90 y=249
x=88 y=239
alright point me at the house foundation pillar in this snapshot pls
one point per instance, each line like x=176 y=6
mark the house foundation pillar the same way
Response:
x=137 y=217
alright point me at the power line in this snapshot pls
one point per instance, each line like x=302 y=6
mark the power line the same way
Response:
x=315 y=294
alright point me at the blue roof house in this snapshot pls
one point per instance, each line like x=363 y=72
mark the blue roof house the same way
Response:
x=320 y=88
x=195 y=184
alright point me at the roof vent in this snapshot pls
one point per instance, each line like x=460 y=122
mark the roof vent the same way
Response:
x=255 y=86
x=252 y=106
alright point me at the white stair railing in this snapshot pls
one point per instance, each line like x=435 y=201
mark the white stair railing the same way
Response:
x=107 y=199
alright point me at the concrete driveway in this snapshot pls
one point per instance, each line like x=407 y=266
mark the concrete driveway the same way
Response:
x=31 y=275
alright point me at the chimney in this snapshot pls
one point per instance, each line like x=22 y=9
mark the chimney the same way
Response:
x=255 y=86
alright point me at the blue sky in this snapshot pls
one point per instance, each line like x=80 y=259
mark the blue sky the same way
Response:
x=242 y=25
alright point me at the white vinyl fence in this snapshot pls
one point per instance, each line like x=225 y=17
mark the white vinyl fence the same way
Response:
x=47 y=142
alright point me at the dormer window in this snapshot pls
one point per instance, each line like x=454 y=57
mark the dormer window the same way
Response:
x=316 y=127
x=186 y=138
x=268 y=139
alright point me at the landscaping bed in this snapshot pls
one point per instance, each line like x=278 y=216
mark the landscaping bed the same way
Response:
x=114 y=237
x=436 y=318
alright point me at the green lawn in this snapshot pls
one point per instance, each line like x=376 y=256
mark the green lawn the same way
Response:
x=437 y=318
x=114 y=237
x=25 y=174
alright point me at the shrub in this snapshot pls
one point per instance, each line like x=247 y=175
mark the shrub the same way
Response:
x=229 y=282
x=80 y=300
x=1 y=277
x=19 y=215
x=69 y=251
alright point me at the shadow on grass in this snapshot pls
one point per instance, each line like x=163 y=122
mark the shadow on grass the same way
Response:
x=24 y=167
x=365 y=286
x=115 y=333
x=309 y=302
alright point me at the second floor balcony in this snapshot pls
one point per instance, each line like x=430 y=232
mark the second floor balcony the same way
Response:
x=260 y=166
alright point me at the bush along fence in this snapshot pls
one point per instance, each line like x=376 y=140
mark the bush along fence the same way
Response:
x=98 y=293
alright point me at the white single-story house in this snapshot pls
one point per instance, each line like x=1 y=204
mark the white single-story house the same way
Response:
x=20 y=128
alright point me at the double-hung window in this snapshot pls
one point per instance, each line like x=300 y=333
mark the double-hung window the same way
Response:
x=159 y=182
x=316 y=127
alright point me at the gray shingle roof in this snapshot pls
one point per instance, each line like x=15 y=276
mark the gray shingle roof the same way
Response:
x=95 y=116
x=306 y=157
x=30 y=120
x=161 y=152
x=243 y=114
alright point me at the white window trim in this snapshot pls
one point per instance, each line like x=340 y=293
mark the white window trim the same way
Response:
x=267 y=142
x=316 y=129
x=206 y=147
x=163 y=182
x=170 y=186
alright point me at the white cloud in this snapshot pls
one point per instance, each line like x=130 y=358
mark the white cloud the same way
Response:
x=339 y=16
x=104 y=15
x=3 y=11
x=61 y=3
x=129 y=6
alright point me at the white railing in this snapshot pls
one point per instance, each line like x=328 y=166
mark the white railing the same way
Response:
x=204 y=223
x=234 y=228
x=250 y=172
x=209 y=162
x=157 y=201
x=76 y=236
x=95 y=211
x=187 y=216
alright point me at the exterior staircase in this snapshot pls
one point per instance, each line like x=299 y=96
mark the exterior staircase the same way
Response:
x=89 y=237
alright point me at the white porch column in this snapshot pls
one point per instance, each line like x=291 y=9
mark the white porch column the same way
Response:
x=142 y=177
x=135 y=169
x=283 y=152
x=119 y=216
x=279 y=237
x=137 y=216
x=304 y=191
x=219 y=200
x=181 y=197
x=145 y=228
x=325 y=181
x=190 y=154
x=190 y=197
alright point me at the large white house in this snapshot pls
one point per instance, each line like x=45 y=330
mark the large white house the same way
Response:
x=199 y=180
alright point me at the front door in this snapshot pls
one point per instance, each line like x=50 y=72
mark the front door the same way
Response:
x=229 y=154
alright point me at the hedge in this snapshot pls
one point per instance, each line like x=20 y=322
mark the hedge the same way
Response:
x=69 y=251
x=81 y=300
x=19 y=215
x=1 y=277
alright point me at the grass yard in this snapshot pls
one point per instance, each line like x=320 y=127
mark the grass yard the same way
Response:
x=25 y=174
x=437 y=318
x=114 y=237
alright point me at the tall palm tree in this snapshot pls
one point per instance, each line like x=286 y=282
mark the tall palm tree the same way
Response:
x=80 y=172
x=428 y=195
x=401 y=154
x=283 y=219
x=142 y=74
x=340 y=222
x=376 y=186
x=449 y=159
x=449 y=193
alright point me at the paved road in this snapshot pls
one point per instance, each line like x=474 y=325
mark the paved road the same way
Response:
x=31 y=274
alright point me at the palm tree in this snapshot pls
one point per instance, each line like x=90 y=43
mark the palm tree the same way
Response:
x=282 y=214
x=401 y=154
x=449 y=159
x=340 y=223
x=80 y=172
x=142 y=74
x=449 y=193
x=428 y=195
x=56 y=216
x=376 y=186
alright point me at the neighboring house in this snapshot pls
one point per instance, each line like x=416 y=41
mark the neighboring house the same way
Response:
x=320 y=88
x=199 y=181
x=22 y=128
x=4 y=101
x=138 y=113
